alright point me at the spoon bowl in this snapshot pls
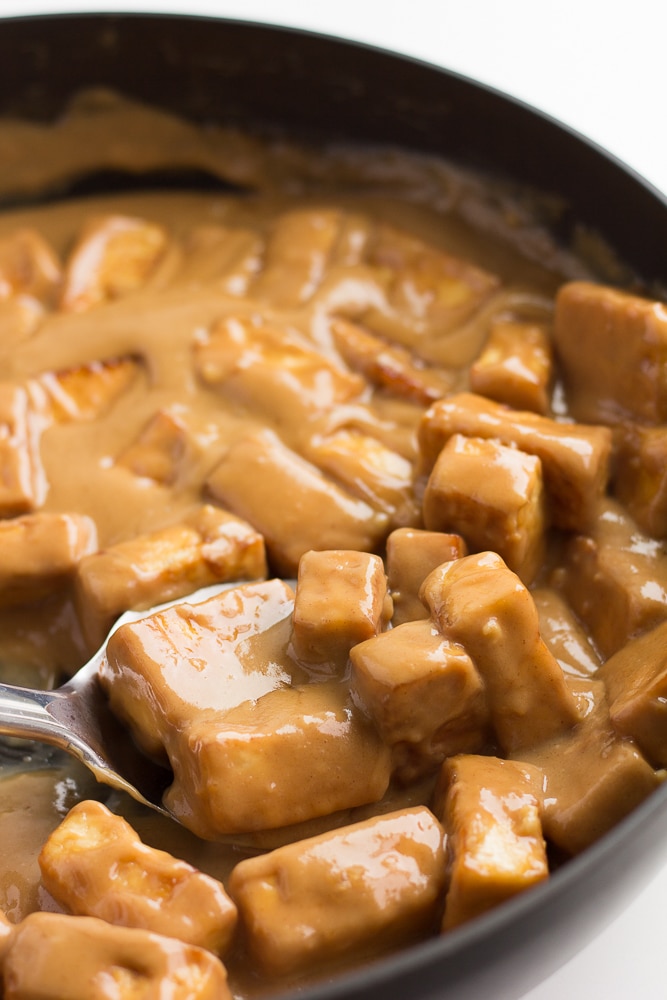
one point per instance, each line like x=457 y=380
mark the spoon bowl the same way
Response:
x=76 y=718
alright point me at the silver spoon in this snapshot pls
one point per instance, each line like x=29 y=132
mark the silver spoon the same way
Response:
x=76 y=718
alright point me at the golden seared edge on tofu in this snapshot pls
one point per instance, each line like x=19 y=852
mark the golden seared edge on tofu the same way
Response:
x=94 y=864
x=341 y=599
x=491 y=811
x=54 y=955
x=362 y=889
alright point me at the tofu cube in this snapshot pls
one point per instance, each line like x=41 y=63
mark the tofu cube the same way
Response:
x=493 y=496
x=635 y=679
x=593 y=778
x=639 y=478
x=615 y=579
x=162 y=449
x=575 y=458
x=251 y=746
x=54 y=955
x=491 y=810
x=341 y=599
x=292 y=755
x=40 y=552
x=210 y=546
x=412 y=553
x=86 y=391
x=359 y=890
x=478 y=602
x=114 y=256
x=515 y=366
x=424 y=695
x=291 y=503
x=564 y=634
x=297 y=254
x=95 y=865
x=612 y=347
x=391 y=368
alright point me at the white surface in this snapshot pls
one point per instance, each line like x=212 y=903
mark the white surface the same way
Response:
x=598 y=66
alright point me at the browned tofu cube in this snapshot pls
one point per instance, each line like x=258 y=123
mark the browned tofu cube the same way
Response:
x=493 y=496
x=612 y=346
x=592 y=777
x=28 y=266
x=412 y=554
x=636 y=682
x=389 y=367
x=162 y=449
x=491 y=810
x=23 y=484
x=271 y=374
x=429 y=294
x=95 y=865
x=114 y=256
x=564 y=634
x=515 y=367
x=297 y=254
x=250 y=747
x=359 y=890
x=575 y=458
x=615 y=579
x=40 y=551
x=54 y=955
x=478 y=602
x=639 y=477
x=291 y=503
x=424 y=695
x=210 y=546
x=87 y=391
x=369 y=470
x=341 y=599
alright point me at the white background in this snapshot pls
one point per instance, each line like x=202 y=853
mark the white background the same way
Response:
x=600 y=66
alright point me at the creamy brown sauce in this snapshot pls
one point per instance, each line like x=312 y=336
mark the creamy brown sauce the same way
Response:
x=224 y=264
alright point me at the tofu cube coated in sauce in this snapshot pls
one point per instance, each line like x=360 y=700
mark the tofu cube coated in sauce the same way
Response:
x=615 y=578
x=362 y=889
x=40 y=552
x=639 y=479
x=575 y=458
x=493 y=496
x=423 y=693
x=515 y=366
x=95 y=865
x=341 y=599
x=612 y=346
x=251 y=747
x=636 y=682
x=478 y=602
x=412 y=553
x=491 y=811
x=210 y=546
x=53 y=955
